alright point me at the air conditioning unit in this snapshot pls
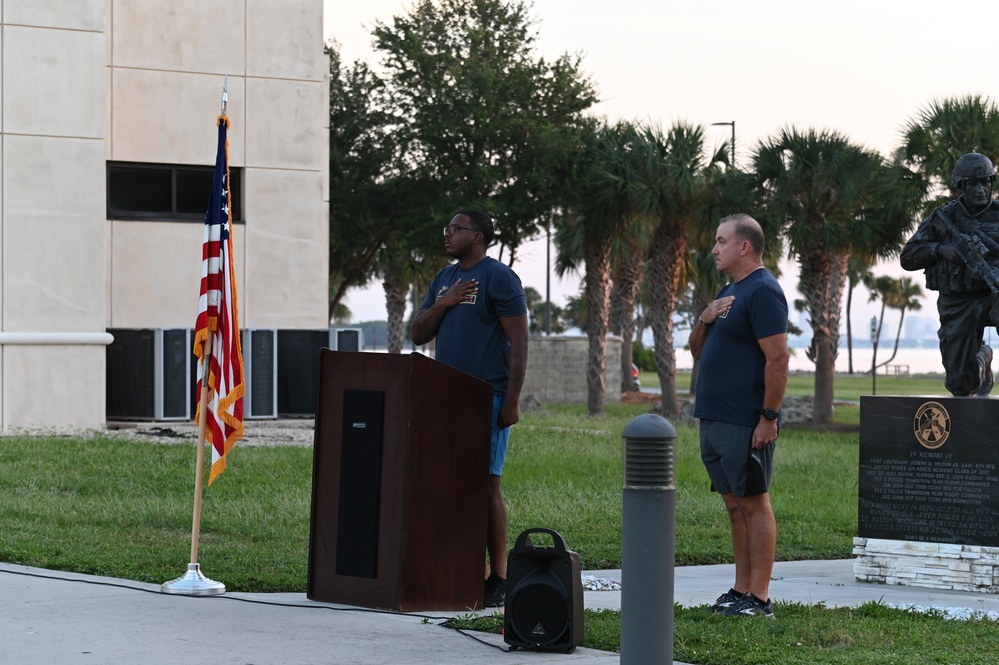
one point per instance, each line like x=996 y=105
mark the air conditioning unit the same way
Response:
x=260 y=363
x=174 y=382
x=346 y=339
x=149 y=374
x=298 y=371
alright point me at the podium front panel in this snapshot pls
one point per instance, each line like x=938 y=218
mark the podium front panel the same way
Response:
x=399 y=514
x=360 y=483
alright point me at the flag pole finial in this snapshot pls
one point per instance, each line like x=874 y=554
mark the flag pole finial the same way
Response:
x=225 y=93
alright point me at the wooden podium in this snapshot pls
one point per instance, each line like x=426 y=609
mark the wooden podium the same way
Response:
x=399 y=485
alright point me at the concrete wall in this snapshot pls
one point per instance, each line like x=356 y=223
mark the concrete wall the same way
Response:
x=556 y=370
x=53 y=255
x=164 y=96
x=88 y=81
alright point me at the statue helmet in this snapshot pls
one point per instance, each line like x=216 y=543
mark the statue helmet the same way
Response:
x=972 y=166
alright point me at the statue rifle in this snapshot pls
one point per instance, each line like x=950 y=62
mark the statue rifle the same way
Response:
x=972 y=251
x=990 y=244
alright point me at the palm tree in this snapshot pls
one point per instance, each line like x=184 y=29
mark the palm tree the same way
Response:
x=533 y=298
x=575 y=307
x=820 y=189
x=703 y=283
x=628 y=261
x=901 y=294
x=410 y=255
x=672 y=190
x=728 y=191
x=401 y=272
x=600 y=213
x=858 y=271
x=360 y=168
x=937 y=136
x=341 y=314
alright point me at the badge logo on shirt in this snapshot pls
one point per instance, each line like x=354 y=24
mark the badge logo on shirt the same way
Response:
x=468 y=300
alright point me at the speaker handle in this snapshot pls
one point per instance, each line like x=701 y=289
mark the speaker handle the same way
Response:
x=557 y=538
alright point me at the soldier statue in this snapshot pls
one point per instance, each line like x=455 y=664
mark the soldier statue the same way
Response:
x=957 y=247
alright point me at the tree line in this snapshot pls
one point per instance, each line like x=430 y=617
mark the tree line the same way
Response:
x=463 y=113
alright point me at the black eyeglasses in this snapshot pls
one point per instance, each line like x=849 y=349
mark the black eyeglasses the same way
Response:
x=451 y=229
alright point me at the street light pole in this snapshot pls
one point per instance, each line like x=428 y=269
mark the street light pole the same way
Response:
x=548 y=283
x=732 y=124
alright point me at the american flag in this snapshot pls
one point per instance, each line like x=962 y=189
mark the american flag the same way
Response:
x=218 y=318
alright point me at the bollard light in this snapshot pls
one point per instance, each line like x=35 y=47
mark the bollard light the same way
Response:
x=648 y=540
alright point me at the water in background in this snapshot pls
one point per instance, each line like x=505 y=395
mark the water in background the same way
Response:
x=906 y=361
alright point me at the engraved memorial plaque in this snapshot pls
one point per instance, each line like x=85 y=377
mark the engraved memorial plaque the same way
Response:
x=929 y=469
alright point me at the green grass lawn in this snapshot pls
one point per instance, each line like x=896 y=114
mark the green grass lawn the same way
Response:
x=848 y=387
x=122 y=508
x=585 y=506
x=64 y=500
x=871 y=634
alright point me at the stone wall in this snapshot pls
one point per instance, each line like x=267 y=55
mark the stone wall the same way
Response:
x=927 y=565
x=556 y=370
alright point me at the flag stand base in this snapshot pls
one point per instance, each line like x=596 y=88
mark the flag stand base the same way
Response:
x=193 y=583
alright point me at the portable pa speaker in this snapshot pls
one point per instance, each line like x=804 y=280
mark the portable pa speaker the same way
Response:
x=544 y=598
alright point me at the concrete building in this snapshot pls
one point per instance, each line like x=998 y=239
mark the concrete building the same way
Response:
x=132 y=88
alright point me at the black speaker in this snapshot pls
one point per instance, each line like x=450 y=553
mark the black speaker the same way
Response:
x=544 y=597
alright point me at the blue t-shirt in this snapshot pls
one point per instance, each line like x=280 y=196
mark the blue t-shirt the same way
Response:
x=730 y=380
x=471 y=337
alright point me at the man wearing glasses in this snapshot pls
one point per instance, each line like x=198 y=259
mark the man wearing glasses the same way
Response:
x=476 y=309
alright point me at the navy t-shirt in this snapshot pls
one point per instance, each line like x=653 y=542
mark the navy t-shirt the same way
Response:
x=730 y=385
x=470 y=336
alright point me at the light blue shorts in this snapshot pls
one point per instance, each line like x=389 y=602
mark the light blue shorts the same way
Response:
x=499 y=440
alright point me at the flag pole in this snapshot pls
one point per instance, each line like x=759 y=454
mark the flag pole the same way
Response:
x=199 y=472
x=194 y=582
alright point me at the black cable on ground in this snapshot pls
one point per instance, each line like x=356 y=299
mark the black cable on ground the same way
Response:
x=446 y=623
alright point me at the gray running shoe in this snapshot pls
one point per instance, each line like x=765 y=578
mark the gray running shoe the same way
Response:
x=726 y=600
x=751 y=606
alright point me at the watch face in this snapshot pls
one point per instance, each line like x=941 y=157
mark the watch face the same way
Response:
x=769 y=414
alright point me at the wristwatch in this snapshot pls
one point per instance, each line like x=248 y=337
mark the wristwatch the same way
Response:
x=769 y=414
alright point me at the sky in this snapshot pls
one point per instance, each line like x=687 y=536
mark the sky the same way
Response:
x=863 y=68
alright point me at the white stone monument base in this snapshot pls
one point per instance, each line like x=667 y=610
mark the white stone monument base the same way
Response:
x=928 y=565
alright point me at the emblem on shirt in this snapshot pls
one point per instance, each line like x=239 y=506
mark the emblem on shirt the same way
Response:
x=931 y=425
x=468 y=300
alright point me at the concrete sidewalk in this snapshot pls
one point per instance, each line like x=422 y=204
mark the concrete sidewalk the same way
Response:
x=830 y=583
x=54 y=618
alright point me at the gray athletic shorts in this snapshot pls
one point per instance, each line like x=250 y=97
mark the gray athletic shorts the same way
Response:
x=733 y=464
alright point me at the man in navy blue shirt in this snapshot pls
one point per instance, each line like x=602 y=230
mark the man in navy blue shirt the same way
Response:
x=741 y=342
x=476 y=309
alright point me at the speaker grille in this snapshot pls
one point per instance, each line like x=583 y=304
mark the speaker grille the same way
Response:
x=539 y=610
